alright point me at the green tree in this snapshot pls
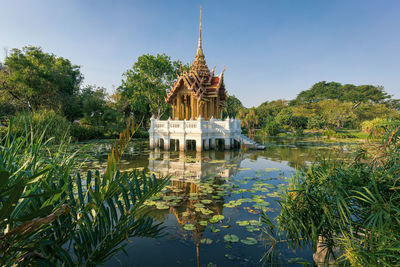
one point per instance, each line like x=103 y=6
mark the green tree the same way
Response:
x=249 y=120
x=93 y=101
x=348 y=92
x=36 y=79
x=145 y=85
x=268 y=109
x=232 y=107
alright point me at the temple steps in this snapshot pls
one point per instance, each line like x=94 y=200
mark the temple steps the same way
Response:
x=251 y=144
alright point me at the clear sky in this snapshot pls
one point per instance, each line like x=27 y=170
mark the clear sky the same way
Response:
x=271 y=49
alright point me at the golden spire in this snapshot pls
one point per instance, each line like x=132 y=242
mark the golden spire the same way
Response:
x=199 y=64
x=199 y=48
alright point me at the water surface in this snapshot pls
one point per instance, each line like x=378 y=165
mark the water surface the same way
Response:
x=211 y=209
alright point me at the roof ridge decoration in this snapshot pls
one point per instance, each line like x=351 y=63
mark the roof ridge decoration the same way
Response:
x=199 y=65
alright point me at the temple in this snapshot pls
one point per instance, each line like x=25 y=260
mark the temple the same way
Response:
x=198 y=99
x=198 y=93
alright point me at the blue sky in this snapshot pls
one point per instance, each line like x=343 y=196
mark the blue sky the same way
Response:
x=271 y=49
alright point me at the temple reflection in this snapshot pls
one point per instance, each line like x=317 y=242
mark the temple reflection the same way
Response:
x=197 y=185
x=195 y=167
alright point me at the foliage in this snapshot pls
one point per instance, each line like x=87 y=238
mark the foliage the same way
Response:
x=352 y=206
x=272 y=127
x=271 y=108
x=40 y=80
x=345 y=93
x=233 y=107
x=54 y=126
x=249 y=120
x=374 y=127
x=45 y=221
x=86 y=132
x=145 y=85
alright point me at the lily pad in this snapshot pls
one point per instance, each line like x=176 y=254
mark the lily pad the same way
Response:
x=242 y=223
x=206 y=201
x=214 y=230
x=249 y=241
x=189 y=227
x=231 y=238
x=162 y=206
x=218 y=217
x=203 y=223
x=207 y=241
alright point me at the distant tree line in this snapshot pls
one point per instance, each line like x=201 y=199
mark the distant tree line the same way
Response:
x=35 y=81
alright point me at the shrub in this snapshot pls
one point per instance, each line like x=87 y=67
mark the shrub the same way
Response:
x=47 y=122
x=329 y=133
x=86 y=132
x=272 y=127
x=141 y=133
x=345 y=135
x=374 y=127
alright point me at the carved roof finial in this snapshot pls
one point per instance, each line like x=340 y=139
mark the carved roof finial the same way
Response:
x=199 y=47
x=199 y=65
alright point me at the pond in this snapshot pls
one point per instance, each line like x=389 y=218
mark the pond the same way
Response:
x=212 y=207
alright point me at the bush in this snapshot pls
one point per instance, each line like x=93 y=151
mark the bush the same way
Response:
x=141 y=133
x=86 y=132
x=44 y=121
x=329 y=133
x=345 y=135
x=272 y=127
x=374 y=127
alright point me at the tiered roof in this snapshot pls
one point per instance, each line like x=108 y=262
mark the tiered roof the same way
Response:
x=199 y=80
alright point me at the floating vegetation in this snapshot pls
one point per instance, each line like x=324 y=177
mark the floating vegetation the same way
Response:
x=203 y=223
x=189 y=227
x=242 y=223
x=231 y=238
x=249 y=241
x=207 y=241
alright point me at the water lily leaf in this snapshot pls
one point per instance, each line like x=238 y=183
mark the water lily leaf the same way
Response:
x=214 y=230
x=242 y=223
x=162 y=206
x=189 y=227
x=203 y=223
x=218 y=217
x=255 y=223
x=206 y=201
x=199 y=205
x=231 y=238
x=207 y=241
x=249 y=241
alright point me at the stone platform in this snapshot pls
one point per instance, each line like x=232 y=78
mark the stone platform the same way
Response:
x=198 y=134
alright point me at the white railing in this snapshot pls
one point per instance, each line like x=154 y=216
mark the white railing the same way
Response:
x=200 y=125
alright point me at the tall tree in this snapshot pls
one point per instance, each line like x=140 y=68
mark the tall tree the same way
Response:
x=348 y=92
x=232 y=107
x=145 y=85
x=37 y=79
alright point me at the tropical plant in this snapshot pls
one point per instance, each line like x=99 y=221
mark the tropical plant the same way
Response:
x=350 y=207
x=50 y=214
x=54 y=126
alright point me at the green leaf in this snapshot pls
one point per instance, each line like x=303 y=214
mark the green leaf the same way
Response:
x=231 y=238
